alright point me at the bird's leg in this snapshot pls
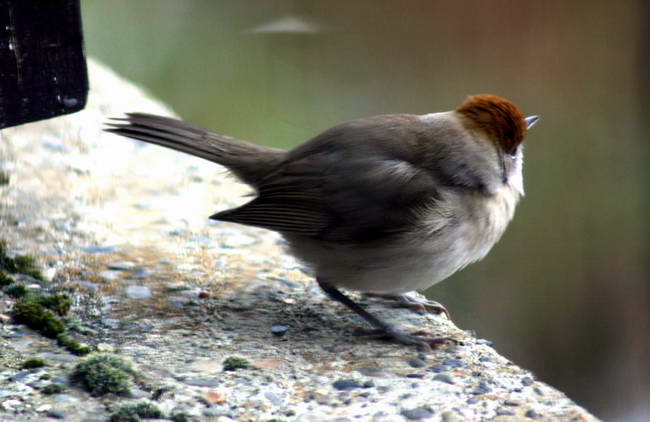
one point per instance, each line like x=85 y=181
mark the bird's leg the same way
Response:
x=381 y=327
x=417 y=304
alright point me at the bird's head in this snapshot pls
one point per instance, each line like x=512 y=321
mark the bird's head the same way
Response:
x=500 y=123
x=499 y=119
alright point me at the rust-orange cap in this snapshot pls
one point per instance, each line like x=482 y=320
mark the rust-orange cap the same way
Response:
x=498 y=118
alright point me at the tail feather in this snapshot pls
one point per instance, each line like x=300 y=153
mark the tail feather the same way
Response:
x=248 y=161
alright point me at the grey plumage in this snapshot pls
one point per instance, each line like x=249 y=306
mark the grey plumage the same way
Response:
x=383 y=204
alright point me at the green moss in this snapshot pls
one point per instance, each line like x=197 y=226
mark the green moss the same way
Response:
x=31 y=311
x=59 y=303
x=134 y=412
x=103 y=373
x=21 y=264
x=33 y=363
x=72 y=346
x=180 y=417
x=234 y=362
x=73 y=324
x=45 y=377
x=5 y=280
x=34 y=315
x=17 y=290
x=4 y=178
x=54 y=388
x=27 y=265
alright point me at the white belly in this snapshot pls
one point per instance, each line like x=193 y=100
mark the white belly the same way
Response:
x=463 y=233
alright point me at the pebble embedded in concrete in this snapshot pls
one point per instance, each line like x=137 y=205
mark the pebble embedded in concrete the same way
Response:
x=138 y=292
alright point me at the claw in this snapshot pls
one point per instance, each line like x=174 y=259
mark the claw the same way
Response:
x=421 y=339
x=415 y=303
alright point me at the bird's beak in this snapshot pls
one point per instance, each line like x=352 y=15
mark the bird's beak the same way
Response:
x=530 y=121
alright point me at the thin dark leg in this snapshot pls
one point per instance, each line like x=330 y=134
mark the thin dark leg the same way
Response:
x=381 y=326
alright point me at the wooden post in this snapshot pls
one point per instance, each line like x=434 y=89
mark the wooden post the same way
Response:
x=42 y=63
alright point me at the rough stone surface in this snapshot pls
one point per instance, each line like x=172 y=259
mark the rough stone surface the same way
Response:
x=106 y=215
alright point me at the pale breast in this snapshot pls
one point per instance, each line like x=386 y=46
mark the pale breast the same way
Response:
x=453 y=233
x=486 y=223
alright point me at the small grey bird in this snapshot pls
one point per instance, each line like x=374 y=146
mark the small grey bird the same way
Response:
x=385 y=204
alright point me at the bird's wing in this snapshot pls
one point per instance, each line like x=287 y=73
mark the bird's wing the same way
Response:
x=361 y=198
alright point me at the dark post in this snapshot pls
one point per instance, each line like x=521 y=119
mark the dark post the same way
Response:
x=42 y=64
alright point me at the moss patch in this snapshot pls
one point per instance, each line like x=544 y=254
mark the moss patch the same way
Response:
x=33 y=363
x=17 y=290
x=137 y=411
x=32 y=311
x=104 y=373
x=73 y=346
x=180 y=417
x=4 y=178
x=59 y=303
x=20 y=264
x=29 y=312
x=54 y=388
x=5 y=280
x=234 y=362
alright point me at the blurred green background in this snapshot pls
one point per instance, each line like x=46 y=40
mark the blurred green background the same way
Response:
x=566 y=292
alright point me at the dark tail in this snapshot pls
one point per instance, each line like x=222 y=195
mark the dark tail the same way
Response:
x=249 y=162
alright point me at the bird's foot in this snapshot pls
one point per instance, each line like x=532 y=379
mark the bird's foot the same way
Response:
x=381 y=328
x=415 y=303
x=422 y=339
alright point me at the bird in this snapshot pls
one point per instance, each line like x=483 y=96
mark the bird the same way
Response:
x=382 y=205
